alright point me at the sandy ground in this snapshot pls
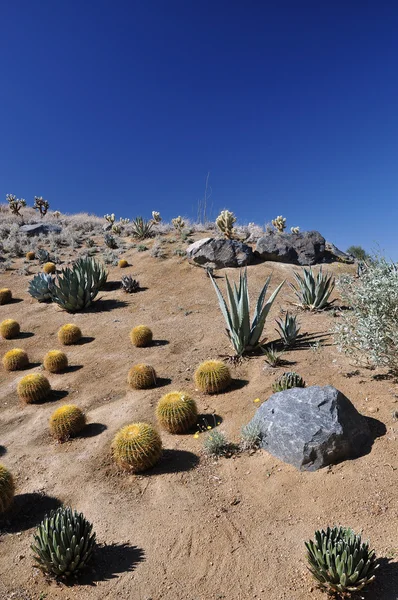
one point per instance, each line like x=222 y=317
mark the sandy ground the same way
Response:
x=193 y=528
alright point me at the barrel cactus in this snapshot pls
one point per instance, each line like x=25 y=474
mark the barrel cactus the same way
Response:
x=49 y=268
x=287 y=381
x=15 y=360
x=67 y=421
x=122 y=264
x=33 y=388
x=55 y=361
x=141 y=336
x=63 y=543
x=40 y=287
x=137 y=447
x=9 y=329
x=177 y=412
x=212 y=377
x=141 y=377
x=30 y=255
x=7 y=489
x=5 y=296
x=340 y=561
x=69 y=334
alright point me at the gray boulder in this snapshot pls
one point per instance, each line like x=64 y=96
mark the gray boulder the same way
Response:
x=332 y=254
x=219 y=253
x=304 y=248
x=40 y=228
x=312 y=427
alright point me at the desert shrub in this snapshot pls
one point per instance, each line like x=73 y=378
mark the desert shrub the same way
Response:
x=142 y=248
x=250 y=436
x=215 y=443
x=110 y=241
x=157 y=250
x=358 y=252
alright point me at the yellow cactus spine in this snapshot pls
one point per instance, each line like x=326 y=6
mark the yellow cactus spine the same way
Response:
x=9 y=329
x=67 y=421
x=55 y=361
x=213 y=376
x=137 y=447
x=177 y=412
x=7 y=489
x=5 y=296
x=141 y=336
x=49 y=268
x=123 y=263
x=33 y=388
x=30 y=255
x=141 y=377
x=15 y=360
x=69 y=334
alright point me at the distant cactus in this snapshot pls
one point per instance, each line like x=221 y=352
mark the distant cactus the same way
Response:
x=5 y=296
x=42 y=255
x=15 y=360
x=69 y=334
x=67 y=421
x=156 y=218
x=33 y=388
x=55 y=361
x=137 y=447
x=123 y=263
x=287 y=381
x=177 y=412
x=213 y=376
x=49 y=268
x=141 y=336
x=295 y=229
x=279 y=223
x=9 y=329
x=225 y=222
x=30 y=255
x=130 y=285
x=15 y=204
x=141 y=377
x=178 y=223
x=41 y=205
x=7 y=489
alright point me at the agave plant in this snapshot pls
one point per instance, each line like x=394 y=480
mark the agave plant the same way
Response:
x=63 y=542
x=141 y=229
x=340 y=561
x=244 y=336
x=313 y=292
x=288 y=329
x=77 y=286
x=129 y=284
x=110 y=241
x=41 y=287
x=42 y=255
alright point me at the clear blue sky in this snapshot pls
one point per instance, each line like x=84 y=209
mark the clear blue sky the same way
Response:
x=124 y=106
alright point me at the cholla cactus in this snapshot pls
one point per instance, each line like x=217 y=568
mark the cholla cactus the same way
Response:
x=295 y=230
x=156 y=218
x=56 y=214
x=41 y=205
x=15 y=204
x=178 y=223
x=279 y=223
x=225 y=222
x=110 y=218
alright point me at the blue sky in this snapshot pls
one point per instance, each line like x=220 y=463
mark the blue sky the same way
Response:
x=125 y=107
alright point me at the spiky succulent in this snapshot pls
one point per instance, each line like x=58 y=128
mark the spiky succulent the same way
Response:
x=279 y=223
x=110 y=241
x=67 y=421
x=141 y=229
x=77 y=286
x=225 y=223
x=5 y=296
x=41 y=287
x=49 y=268
x=63 y=543
x=7 y=489
x=9 y=329
x=141 y=377
x=137 y=447
x=30 y=255
x=212 y=376
x=123 y=263
x=33 y=388
x=141 y=336
x=55 y=361
x=340 y=561
x=178 y=223
x=69 y=334
x=177 y=412
x=42 y=255
x=130 y=285
x=287 y=381
x=313 y=292
x=288 y=329
x=15 y=360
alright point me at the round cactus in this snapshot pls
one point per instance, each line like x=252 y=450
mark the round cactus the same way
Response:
x=141 y=336
x=141 y=377
x=7 y=489
x=33 y=388
x=69 y=334
x=55 y=361
x=5 y=296
x=213 y=376
x=30 y=255
x=177 y=412
x=123 y=263
x=137 y=447
x=9 y=329
x=287 y=381
x=49 y=267
x=15 y=360
x=67 y=421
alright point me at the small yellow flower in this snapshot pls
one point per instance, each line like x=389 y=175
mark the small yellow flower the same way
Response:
x=219 y=423
x=196 y=435
x=208 y=427
x=257 y=400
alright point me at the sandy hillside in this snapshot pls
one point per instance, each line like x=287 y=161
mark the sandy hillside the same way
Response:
x=193 y=528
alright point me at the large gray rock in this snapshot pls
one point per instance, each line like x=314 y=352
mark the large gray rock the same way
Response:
x=40 y=228
x=332 y=254
x=219 y=253
x=312 y=427
x=304 y=248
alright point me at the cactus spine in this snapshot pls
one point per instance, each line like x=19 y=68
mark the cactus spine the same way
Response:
x=9 y=329
x=212 y=376
x=69 y=334
x=33 y=388
x=55 y=361
x=49 y=267
x=5 y=296
x=7 y=489
x=287 y=381
x=141 y=377
x=177 y=412
x=67 y=421
x=141 y=336
x=15 y=360
x=137 y=447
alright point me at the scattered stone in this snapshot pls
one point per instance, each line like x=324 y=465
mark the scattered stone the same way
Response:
x=333 y=254
x=303 y=248
x=219 y=253
x=40 y=229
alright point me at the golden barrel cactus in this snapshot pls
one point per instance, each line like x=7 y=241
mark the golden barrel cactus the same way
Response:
x=69 y=334
x=141 y=377
x=7 y=489
x=67 y=421
x=55 y=361
x=9 y=329
x=49 y=268
x=123 y=263
x=137 y=447
x=30 y=255
x=177 y=412
x=5 y=296
x=15 y=360
x=141 y=336
x=212 y=377
x=33 y=388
